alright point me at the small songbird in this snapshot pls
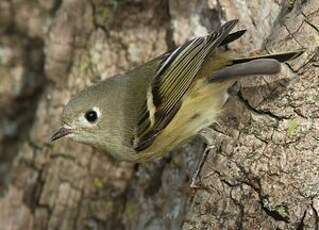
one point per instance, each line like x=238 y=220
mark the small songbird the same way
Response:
x=148 y=111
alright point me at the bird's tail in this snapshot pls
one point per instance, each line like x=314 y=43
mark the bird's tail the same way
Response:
x=280 y=57
x=254 y=65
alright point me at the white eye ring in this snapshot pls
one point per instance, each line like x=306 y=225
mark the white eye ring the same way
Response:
x=90 y=117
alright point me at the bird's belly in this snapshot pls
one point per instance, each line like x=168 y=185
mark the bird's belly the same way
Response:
x=199 y=110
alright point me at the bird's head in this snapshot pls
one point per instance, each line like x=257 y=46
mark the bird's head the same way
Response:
x=84 y=117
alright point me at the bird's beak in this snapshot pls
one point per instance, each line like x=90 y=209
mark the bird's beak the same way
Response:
x=61 y=132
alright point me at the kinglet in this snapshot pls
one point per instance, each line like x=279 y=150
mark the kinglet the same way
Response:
x=146 y=112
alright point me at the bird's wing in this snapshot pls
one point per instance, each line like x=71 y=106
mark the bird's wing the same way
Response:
x=171 y=82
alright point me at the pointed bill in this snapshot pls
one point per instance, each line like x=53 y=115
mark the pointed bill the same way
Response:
x=61 y=132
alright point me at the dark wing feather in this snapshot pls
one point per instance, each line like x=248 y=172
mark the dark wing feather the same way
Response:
x=232 y=37
x=171 y=82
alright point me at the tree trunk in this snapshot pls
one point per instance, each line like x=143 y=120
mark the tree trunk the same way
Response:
x=264 y=173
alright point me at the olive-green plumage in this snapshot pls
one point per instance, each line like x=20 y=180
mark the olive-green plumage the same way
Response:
x=148 y=111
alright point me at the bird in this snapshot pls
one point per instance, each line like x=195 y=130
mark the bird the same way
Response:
x=148 y=111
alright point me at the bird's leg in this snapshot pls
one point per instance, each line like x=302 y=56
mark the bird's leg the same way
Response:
x=207 y=135
x=195 y=177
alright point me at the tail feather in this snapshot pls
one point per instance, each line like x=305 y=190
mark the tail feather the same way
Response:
x=258 y=65
x=254 y=67
x=281 y=57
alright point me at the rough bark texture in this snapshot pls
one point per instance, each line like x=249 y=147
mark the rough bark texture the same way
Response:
x=264 y=173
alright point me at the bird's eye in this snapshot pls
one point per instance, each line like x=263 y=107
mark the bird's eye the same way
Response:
x=91 y=116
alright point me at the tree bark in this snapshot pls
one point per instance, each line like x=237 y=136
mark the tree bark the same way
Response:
x=264 y=173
